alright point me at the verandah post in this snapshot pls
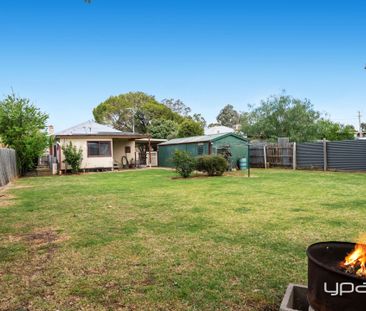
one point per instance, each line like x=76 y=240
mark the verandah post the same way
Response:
x=149 y=152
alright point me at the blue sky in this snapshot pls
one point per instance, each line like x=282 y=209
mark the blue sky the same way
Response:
x=68 y=56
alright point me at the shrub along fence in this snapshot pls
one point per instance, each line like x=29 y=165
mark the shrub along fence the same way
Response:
x=8 y=166
x=347 y=155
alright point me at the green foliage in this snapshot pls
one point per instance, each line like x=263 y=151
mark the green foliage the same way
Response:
x=285 y=116
x=177 y=106
x=190 y=128
x=22 y=127
x=184 y=163
x=73 y=156
x=212 y=165
x=334 y=131
x=137 y=108
x=165 y=129
x=197 y=117
x=282 y=116
x=228 y=116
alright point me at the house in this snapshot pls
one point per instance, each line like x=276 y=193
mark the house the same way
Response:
x=104 y=148
x=229 y=145
x=219 y=129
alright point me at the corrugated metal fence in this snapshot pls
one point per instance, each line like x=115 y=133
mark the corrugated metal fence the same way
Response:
x=348 y=155
x=8 y=166
x=310 y=155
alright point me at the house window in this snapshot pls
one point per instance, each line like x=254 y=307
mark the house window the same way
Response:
x=127 y=149
x=200 y=149
x=99 y=149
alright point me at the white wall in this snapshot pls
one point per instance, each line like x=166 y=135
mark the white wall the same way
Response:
x=119 y=150
x=92 y=162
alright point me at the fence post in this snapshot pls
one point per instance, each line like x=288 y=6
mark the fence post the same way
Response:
x=294 y=156
x=265 y=156
x=325 y=156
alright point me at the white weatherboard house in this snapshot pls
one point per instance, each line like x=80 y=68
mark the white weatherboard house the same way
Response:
x=104 y=148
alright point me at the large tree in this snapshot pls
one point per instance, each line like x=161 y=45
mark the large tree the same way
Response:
x=190 y=128
x=23 y=128
x=281 y=116
x=228 y=116
x=132 y=110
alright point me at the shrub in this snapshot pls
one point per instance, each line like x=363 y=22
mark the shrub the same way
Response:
x=212 y=165
x=184 y=163
x=73 y=156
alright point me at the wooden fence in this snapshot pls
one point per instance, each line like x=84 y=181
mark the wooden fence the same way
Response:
x=271 y=155
x=8 y=166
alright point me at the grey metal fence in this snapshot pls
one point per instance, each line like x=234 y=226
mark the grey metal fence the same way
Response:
x=8 y=166
x=347 y=155
x=310 y=155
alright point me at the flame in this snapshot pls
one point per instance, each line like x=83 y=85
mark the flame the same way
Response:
x=356 y=260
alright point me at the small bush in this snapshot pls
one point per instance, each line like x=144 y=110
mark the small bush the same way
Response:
x=184 y=163
x=212 y=165
x=73 y=156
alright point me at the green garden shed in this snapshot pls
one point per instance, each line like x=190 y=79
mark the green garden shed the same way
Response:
x=217 y=144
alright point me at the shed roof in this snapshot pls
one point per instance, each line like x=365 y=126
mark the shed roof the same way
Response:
x=92 y=128
x=199 y=139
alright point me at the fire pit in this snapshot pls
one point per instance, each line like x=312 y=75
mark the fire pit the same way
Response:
x=337 y=276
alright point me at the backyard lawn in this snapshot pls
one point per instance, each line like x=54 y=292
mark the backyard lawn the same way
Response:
x=140 y=240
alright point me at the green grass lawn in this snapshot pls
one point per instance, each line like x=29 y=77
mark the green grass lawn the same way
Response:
x=140 y=240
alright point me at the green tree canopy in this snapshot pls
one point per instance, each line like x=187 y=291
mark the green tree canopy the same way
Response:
x=177 y=106
x=285 y=116
x=23 y=128
x=165 y=129
x=330 y=130
x=197 y=117
x=136 y=108
x=281 y=116
x=228 y=116
x=190 y=128
x=145 y=114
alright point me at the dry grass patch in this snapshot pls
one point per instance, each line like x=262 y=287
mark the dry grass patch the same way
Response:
x=6 y=199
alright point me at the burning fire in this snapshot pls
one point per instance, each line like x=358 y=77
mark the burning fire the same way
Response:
x=355 y=262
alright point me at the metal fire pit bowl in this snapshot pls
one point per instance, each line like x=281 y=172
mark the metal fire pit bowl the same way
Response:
x=329 y=288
